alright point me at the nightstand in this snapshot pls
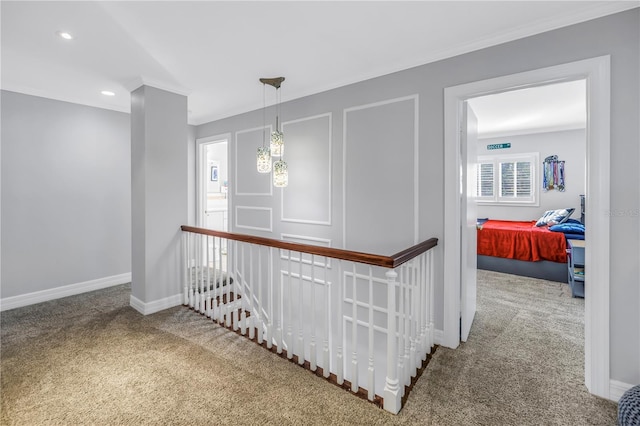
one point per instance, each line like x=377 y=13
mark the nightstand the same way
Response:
x=575 y=265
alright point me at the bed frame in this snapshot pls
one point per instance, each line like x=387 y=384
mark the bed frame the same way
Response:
x=543 y=269
x=499 y=236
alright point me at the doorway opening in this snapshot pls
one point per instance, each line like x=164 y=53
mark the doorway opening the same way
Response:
x=213 y=188
x=516 y=131
x=596 y=73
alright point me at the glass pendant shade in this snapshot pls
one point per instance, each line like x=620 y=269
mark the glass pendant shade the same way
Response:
x=264 y=160
x=280 y=174
x=277 y=144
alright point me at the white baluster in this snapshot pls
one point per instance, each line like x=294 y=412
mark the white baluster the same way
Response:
x=312 y=297
x=392 y=394
x=301 y=318
x=289 y=308
x=339 y=356
x=185 y=264
x=326 y=358
x=401 y=374
x=280 y=326
x=371 y=369
x=415 y=300
x=193 y=275
x=211 y=298
x=230 y=265
x=423 y=309
x=354 y=333
x=206 y=296
x=417 y=310
x=258 y=320
x=199 y=272
x=431 y=298
x=270 y=296
x=251 y=317
x=217 y=278
x=245 y=299
x=407 y=327
x=227 y=291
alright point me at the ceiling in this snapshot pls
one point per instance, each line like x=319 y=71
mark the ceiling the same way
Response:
x=554 y=107
x=215 y=51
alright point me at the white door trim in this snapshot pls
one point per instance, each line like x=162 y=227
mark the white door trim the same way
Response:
x=200 y=183
x=596 y=71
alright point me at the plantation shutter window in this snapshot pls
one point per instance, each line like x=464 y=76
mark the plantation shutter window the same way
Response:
x=507 y=179
x=485 y=181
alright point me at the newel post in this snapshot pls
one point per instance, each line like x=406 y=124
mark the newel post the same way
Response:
x=392 y=394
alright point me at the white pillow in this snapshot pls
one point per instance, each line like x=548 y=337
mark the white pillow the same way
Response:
x=554 y=217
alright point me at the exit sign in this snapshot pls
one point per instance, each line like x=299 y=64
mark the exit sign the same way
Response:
x=499 y=146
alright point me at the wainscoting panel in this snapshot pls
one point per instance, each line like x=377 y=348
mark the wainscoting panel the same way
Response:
x=381 y=176
x=258 y=218
x=247 y=179
x=307 y=199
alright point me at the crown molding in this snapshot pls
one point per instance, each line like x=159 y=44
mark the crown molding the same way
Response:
x=146 y=81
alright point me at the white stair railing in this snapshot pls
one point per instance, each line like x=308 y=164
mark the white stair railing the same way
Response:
x=316 y=304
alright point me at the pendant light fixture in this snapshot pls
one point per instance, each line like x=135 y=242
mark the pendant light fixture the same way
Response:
x=264 y=153
x=277 y=138
x=280 y=174
x=276 y=145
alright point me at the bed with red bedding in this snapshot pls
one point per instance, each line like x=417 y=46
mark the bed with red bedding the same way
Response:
x=522 y=248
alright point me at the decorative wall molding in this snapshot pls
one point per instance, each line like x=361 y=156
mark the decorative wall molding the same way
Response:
x=238 y=224
x=328 y=174
x=416 y=160
x=156 y=305
x=63 y=291
x=236 y=184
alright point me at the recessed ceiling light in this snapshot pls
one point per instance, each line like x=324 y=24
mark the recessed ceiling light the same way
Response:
x=65 y=35
x=108 y=93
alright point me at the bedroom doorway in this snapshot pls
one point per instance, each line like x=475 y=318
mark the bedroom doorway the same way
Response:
x=518 y=131
x=596 y=73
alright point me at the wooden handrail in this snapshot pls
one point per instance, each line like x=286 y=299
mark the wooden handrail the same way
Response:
x=354 y=256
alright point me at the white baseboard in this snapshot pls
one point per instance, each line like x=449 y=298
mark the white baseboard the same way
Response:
x=438 y=336
x=147 y=308
x=617 y=389
x=63 y=291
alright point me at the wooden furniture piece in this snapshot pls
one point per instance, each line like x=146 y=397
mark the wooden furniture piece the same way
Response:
x=575 y=251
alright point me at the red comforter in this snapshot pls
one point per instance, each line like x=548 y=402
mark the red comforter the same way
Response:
x=522 y=241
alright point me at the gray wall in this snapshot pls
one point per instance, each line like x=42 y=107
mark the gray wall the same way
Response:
x=616 y=35
x=568 y=145
x=191 y=175
x=159 y=140
x=66 y=194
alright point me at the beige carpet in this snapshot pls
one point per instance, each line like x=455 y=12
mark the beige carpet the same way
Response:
x=91 y=359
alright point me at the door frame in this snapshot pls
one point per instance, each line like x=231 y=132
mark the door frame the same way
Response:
x=596 y=72
x=201 y=143
x=468 y=206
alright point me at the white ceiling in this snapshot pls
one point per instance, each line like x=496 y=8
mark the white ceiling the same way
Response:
x=554 y=107
x=215 y=51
